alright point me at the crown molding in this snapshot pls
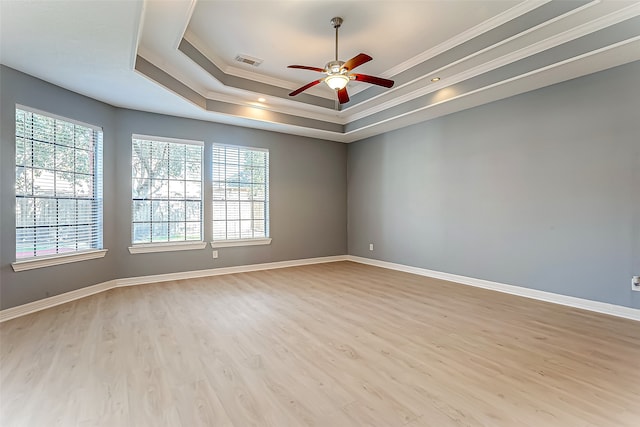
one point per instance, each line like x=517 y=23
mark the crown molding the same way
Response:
x=345 y=116
x=185 y=24
x=139 y=25
x=280 y=105
x=390 y=124
x=546 y=44
x=471 y=33
x=229 y=69
x=227 y=101
x=173 y=71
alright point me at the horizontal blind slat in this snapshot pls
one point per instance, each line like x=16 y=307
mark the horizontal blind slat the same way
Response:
x=166 y=189
x=240 y=183
x=58 y=185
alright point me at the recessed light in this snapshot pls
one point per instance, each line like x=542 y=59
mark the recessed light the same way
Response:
x=435 y=79
x=262 y=100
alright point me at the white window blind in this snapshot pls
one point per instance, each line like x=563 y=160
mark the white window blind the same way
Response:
x=58 y=185
x=240 y=193
x=166 y=190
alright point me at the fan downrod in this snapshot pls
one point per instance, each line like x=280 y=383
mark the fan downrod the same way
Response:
x=336 y=22
x=339 y=73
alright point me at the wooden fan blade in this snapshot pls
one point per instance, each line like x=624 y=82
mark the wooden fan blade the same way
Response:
x=343 y=96
x=356 y=61
x=373 y=80
x=305 y=87
x=305 y=67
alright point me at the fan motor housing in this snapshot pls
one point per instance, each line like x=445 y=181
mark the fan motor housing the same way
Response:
x=338 y=73
x=334 y=67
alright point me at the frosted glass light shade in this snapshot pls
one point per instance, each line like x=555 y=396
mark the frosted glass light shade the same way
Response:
x=336 y=81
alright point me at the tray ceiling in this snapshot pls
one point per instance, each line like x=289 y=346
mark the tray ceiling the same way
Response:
x=179 y=57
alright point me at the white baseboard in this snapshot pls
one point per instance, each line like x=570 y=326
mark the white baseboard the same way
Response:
x=143 y=280
x=599 y=307
x=32 y=307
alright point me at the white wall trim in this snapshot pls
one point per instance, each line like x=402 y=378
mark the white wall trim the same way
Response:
x=598 y=307
x=157 y=278
x=166 y=247
x=51 y=260
x=356 y=134
x=240 y=242
x=482 y=28
x=32 y=307
x=534 y=48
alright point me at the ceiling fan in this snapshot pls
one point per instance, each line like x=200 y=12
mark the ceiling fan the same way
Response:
x=339 y=72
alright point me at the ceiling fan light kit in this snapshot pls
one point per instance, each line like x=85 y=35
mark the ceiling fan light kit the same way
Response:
x=339 y=72
x=336 y=81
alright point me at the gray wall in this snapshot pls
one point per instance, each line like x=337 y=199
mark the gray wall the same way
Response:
x=307 y=193
x=540 y=190
x=31 y=285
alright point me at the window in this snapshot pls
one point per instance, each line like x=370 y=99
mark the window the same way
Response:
x=240 y=195
x=166 y=192
x=58 y=186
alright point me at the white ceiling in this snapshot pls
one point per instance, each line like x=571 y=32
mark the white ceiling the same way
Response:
x=299 y=32
x=178 y=56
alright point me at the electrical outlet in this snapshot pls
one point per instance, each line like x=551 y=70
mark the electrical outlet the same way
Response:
x=635 y=283
x=215 y=254
x=370 y=246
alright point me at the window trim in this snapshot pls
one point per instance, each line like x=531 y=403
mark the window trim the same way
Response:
x=240 y=242
x=179 y=245
x=247 y=241
x=39 y=261
x=145 y=248
x=167 y=139
x=57 y=117
x=58 y=259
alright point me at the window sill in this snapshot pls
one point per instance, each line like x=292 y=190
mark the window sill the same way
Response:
x=240 y=242
x=51 y=260
x=147 y=248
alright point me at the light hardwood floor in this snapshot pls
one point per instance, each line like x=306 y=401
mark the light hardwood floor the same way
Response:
x=338 y=344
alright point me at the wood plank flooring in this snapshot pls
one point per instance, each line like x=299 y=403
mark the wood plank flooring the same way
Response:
x=338 y=344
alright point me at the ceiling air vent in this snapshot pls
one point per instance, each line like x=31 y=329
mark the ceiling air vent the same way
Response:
x=246 y=59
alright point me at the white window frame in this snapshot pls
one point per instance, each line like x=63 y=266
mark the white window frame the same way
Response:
x=220 y=243
x=170 y=246
x=40 y=261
